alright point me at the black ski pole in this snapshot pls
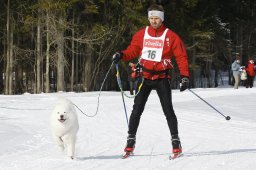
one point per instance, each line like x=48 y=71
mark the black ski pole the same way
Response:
x=125 y=110
x=226 y=117
x=118 y=79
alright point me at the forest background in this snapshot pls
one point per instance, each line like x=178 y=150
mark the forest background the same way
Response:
x=67 y=45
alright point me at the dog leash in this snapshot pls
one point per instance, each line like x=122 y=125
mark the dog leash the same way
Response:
x=13 y=108
x=119 y=82
x=121 y=89
x=98 y=102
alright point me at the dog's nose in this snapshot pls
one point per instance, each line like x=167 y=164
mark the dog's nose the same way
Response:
x=61 y=116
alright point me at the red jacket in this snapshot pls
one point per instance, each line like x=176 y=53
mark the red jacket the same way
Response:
x=173 y=47
x=250 y=69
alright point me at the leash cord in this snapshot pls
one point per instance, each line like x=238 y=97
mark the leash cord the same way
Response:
x=119 y=82
x=98 y=102
x=11 y=108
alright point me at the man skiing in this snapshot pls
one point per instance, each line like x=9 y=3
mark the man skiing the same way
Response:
x=156 y=45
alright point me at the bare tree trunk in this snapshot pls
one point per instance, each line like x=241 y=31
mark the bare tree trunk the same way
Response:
x=60 y=60
x=208 y=73
x=11 y=64
x=216 y=77
x=7 y=71
x=73 y=56
x=19 y=88
x=76 y=71
x=38 y=55
x=87 y=69
x=241 y=45
x=192 y=76
x=47 y=64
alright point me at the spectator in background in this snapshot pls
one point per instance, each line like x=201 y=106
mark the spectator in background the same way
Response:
x=250 y=73
x=133 y=77
x=236 y=71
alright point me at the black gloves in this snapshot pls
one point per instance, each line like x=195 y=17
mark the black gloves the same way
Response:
x=184 y=83
x=138 y=69
x=117 y=57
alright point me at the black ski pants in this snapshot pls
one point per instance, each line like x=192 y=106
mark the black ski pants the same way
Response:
x=249 y=81
x=163 y=89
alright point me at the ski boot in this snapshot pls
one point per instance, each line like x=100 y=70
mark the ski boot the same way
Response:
x=177 y=149
x=131 y=140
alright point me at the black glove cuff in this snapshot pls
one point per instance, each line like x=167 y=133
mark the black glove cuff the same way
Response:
x=184 y=83
x=120 y=53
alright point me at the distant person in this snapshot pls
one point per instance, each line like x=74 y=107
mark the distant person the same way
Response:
x=243 y=74
x=250 y=73
x=133 y=77
x=236 y=72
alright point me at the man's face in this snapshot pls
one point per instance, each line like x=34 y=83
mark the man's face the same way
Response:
x=155 y=22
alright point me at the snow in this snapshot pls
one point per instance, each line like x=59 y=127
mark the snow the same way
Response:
x=209 y=141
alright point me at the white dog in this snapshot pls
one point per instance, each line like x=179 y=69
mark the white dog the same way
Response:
x=64 y=124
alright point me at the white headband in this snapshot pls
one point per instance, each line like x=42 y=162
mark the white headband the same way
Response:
x=159 y=14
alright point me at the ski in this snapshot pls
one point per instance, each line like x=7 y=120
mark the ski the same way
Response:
x=126 y=155
x=175 y=156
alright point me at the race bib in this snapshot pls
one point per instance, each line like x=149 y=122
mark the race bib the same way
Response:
x=153 y=46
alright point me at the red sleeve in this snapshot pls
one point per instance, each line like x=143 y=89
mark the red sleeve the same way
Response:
x=135 y=47
x=179 y=51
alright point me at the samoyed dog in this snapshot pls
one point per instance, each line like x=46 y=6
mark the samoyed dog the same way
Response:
x=64 y=125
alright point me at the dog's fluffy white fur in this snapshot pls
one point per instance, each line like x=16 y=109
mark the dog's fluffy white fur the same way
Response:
x=64 y=125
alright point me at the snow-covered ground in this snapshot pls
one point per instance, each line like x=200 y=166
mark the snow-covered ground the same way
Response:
x=208 y=140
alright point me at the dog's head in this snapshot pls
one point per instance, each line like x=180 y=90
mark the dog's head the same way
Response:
x=62 y=117
x=64 y=111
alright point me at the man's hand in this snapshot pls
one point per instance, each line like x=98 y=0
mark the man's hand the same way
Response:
x=138 y=69
x=184 y=83
x=117 y=57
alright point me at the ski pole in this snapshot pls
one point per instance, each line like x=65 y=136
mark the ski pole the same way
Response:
x=226 y=117
x=122 y=92
x=125 y=110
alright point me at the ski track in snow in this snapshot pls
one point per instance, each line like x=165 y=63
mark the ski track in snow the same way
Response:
x=209 y=141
